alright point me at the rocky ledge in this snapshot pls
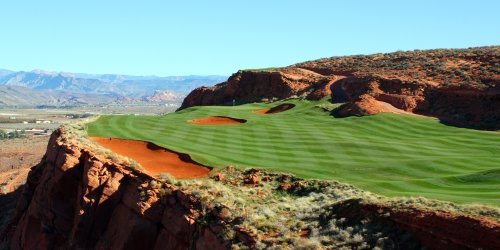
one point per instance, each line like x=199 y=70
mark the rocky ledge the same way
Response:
x=461 y=87
x=77 y=199
x=255 y=85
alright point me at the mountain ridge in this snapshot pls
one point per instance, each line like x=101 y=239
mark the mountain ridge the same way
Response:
x=61 y=88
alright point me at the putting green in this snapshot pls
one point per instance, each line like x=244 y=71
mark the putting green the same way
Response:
x=394 y=155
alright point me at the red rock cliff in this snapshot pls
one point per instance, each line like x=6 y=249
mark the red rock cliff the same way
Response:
x=461 y=105
x=75 y=199
x=250 y=85
x=460 y=86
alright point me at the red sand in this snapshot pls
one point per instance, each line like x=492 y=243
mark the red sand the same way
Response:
x=155 y=159
x=217 y=120
x=280 y=108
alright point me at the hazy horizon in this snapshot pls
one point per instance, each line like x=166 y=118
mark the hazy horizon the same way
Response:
x=48 y=72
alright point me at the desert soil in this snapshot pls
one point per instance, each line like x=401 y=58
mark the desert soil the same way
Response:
x=17 y=156
x=395 y=110
x=154 y=159
x=280 y=108
x=217 y=120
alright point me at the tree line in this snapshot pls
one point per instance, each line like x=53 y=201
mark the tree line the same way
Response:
x=13 y=134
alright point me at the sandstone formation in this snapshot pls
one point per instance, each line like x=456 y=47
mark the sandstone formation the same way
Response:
x=363 y=105
x=434 y=229
x=461 y=87
x=277 y=109
x=461 y=105
x=254 y=85
x=76 y=199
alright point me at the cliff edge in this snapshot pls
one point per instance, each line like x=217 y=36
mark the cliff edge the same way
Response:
x=77 y=199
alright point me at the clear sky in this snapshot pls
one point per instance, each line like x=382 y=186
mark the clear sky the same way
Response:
x=219 y=37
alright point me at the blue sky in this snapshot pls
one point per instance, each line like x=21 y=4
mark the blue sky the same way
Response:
x=220 y=37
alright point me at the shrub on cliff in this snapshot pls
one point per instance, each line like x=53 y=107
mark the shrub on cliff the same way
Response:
x=168 y=178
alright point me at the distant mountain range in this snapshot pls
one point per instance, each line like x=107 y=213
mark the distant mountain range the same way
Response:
x=4 y=72
x=11 y=96
x=40 y=87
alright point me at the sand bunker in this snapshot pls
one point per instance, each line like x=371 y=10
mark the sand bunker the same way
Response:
x=155 y=159
x=280 y=108
x=217 y=120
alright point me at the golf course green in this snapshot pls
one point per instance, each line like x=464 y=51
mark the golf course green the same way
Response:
x=389 y=154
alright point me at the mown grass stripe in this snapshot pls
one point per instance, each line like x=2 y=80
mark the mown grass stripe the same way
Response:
x=386 y=153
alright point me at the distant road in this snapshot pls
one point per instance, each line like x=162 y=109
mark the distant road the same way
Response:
x=29 y=125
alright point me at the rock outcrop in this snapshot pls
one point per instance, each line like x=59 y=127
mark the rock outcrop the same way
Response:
x=433 y=229
x=364 y=105
x=254 y=85
x=459 y=105
x=77 y=199
x=460 y=86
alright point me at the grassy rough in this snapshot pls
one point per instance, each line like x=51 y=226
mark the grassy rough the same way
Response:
x=478 y=67
x=388 y=154
x=309 y=214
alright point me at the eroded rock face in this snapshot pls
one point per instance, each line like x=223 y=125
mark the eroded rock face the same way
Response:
x=363 y=105
x=461 y=87
x=466 y=106
x=249 y=86
x=433 y=229
x=461 y=105
x=75 y=199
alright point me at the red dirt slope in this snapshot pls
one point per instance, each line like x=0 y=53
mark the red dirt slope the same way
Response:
x=217 y=120
x=364 y=105
x=155 y=159
x=280 y=108
x=254 y=85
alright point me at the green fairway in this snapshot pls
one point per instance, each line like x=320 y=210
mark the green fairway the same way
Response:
x=394 y=155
